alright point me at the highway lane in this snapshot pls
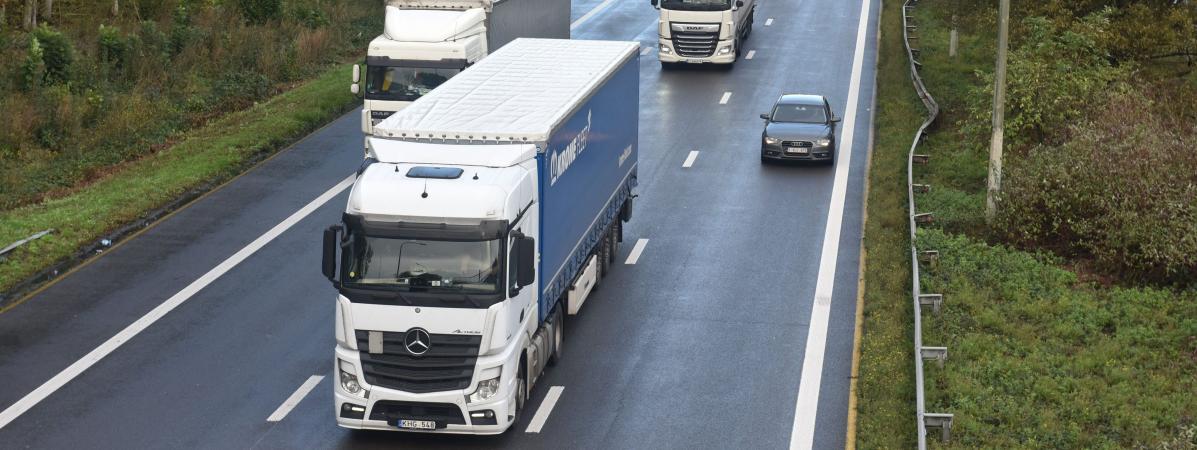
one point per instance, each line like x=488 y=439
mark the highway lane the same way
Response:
x=698 y=344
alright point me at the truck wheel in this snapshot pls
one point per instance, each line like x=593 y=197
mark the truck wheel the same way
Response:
x=521 y=392
x=558 y=337
x=614 y=245
x=605 y=258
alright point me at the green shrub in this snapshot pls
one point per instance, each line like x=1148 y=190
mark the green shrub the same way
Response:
x=1053 y=77
x=310 y=16
x=238 y=89
x=114 y=48
x=57 y=54
x=260 y=11
x=1123 y=192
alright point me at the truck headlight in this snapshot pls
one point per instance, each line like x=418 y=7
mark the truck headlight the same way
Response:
x=823 y=142
x=772 y=140
x=349 y=380
x=486 y=390
x=665 y=49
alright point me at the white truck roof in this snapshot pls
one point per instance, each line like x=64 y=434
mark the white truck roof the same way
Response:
x=518 y=94
x=424 y=25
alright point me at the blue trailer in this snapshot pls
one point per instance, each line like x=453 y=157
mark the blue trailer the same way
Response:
x=486 y=211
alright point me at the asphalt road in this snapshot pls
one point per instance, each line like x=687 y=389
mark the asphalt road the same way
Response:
x=700 y=344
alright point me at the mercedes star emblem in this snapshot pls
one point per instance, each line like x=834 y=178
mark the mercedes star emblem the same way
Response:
x=417 y=341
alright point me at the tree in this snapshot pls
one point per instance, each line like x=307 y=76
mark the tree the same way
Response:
x=30 y=14
x=116 y=7
x=47 y=9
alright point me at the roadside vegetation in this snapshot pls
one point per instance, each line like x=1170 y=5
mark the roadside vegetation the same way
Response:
x=114 y=108
x=1071 y=319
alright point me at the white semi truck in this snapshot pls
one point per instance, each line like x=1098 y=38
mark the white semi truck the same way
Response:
x=425 y=42
x=485 y=212
x=703 y=31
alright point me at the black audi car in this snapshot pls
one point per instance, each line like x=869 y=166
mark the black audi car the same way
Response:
x=800 y=127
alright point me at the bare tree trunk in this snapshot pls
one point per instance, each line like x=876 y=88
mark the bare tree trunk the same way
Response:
x=47 y=10
x=3 y=14
x=116 y=7
x=29 y=14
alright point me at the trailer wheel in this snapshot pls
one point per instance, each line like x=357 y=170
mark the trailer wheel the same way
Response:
x=614 y=238
x=605 y=256
x=558 y=336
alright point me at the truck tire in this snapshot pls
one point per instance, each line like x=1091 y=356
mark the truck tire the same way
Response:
x=521 y=392
x=605 y=257
x=558 y=336
x=614 y=238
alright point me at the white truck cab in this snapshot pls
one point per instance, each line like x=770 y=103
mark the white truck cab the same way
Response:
x=426 y=42
x=703 y=31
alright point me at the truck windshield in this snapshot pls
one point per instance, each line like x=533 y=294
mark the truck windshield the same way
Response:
x=404 y=83
x=415 y=265
x=696 y=5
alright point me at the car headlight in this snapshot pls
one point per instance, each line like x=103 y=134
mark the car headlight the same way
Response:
x=349 y=380
x=486 y=390
x=665 y=49
x=772 y=140
x=823 y=142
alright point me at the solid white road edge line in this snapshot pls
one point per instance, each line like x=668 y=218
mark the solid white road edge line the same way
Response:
x=751 y=53
x=546 y=408
x=802 y=435
x=725 y=98
x=590 y=14
x=295 y=398
x=636 y=251
x=690 y=159
x=49 y=387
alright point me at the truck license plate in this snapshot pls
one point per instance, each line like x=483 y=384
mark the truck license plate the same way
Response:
x=417 y=424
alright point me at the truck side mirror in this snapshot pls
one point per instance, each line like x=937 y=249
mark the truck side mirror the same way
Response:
x=765 y=116
x=834 y=119
x=329 y=263
x=739 y=3
x=357 y=78
x=525 y=250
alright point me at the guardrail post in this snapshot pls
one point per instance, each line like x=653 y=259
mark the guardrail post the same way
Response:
x=939 y=354
x=935 y=301
x=941 y=421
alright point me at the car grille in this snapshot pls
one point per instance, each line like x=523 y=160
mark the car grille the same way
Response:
x=441 y=413
x=447 y=365
x=806 y=144
x=695 y=44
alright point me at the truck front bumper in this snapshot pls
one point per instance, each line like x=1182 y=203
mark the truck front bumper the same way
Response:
x=671 y=56
x=383 y=407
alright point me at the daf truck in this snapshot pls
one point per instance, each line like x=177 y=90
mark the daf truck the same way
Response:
x=425 y=42
x=485 y=213
x=702 y=31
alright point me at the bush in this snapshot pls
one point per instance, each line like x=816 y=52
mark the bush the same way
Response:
x=57 y=54
x=113 y=48
x=238 y=89
x=1052 y=78
x=1140 y=223
x=260 y=11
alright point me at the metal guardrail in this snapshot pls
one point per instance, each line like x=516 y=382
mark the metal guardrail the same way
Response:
x=921 y=353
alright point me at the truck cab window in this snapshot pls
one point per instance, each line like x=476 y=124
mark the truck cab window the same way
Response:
x=413 y=265
x=403 y=83
x=697 y=5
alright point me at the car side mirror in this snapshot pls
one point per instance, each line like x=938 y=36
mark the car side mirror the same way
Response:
x=653 y=2
x=329 y=263
x=765 y=116
x=525 y=250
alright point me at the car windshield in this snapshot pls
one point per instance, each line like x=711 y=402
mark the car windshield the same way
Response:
x=403 y=83
x=800 y=114
x=696 y=5
x=412 y=265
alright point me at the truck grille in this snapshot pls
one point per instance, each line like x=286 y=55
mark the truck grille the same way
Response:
x=447 y=365
x=695 y=44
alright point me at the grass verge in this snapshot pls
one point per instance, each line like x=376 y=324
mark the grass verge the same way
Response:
x=1040 y=358
x=215 y=152
x=885 y=406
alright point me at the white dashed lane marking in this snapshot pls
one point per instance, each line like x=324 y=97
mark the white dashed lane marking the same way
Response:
x=690 y=159
x=295 y=398
x=636 y=251
x=546 y=408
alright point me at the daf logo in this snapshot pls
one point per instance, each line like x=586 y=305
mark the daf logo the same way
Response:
x=417 y=341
